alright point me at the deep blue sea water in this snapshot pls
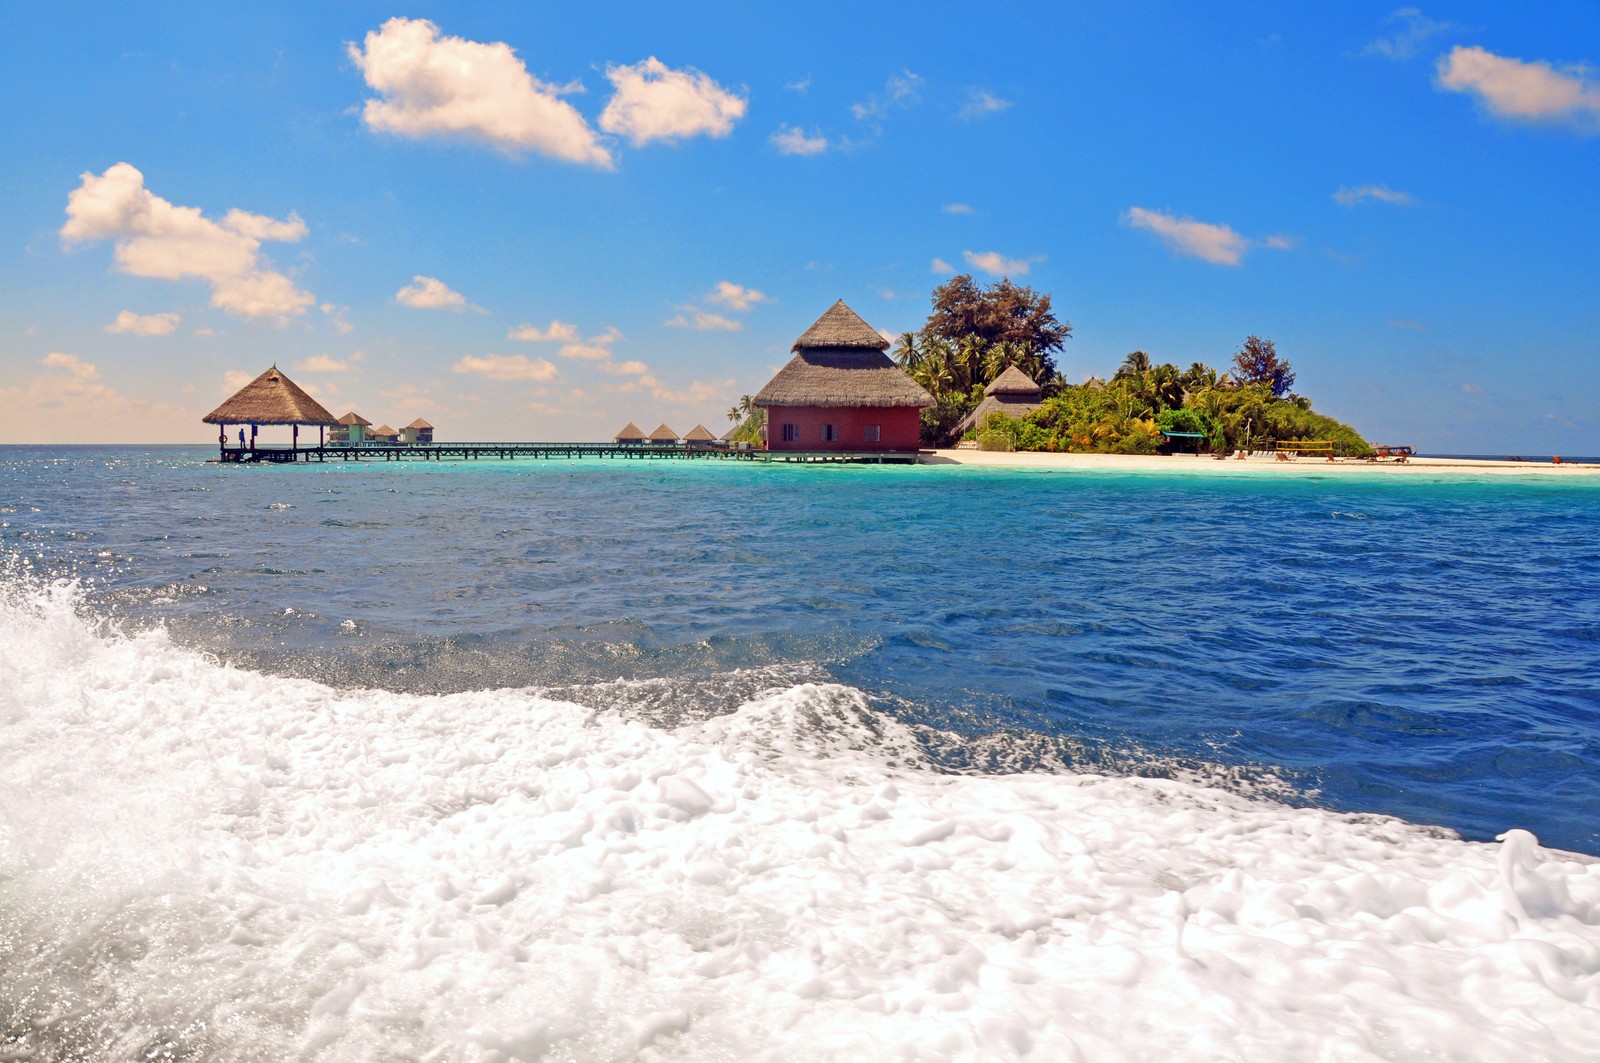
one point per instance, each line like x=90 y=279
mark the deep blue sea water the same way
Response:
x=1423 y=647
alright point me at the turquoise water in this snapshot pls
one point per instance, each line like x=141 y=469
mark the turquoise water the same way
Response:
x=1424 y=648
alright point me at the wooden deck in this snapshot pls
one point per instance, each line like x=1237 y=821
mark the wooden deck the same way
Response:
x=551 y=451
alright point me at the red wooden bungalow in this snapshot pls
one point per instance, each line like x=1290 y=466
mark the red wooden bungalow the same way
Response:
x=840 y=392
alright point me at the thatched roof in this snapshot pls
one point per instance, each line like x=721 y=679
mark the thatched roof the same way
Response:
x=419 y=423
x=841 y=327
x=700 y=434
x=271 y=398
x=663 y=434
x=1012 y=404
x=384 y=430
x=1013 y=382
x=629 y=431
x=353 y=418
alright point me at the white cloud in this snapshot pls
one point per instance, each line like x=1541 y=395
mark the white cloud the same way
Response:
x=206 y=332
x=431 y=293
x=68 y=402
x=941 y=266
x=154 y=238
x=1184 y=236
x=703 y=320
x=1530 y=92
x=792 y=140
x=594 y=349
x=995 y=264
x=322 y=363
x=1471 y=389
x=736 y=296
x=1281 y=242
x=901 y=90
x=655 y=102
x=799 y=86
x=145 y=324
x=632 y=368
x=340 y=324
x=1414 y=29
x=957 y=208
x=557 y=330
x=1349 y=196
x=233 y=380
x=507 y=367
x=75 y=367
x=435 y=85
x=981 y=104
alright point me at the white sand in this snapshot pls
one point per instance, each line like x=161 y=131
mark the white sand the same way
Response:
x=1264 y=464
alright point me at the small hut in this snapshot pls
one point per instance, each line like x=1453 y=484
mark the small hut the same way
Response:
x=271 y=398
x=700 y=436
x=352 y=430
x=664 y=436
x=631 y=435
x=1012 y=393
x=384 y=434
x=841 y=392
x=418 y=431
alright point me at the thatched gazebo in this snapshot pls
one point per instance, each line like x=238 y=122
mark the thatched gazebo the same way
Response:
x=631 y=435
x=384 y=434
x=1012 y=393
x=418 y=431
x=352 y=429
x=663 y=435
x=699 y=436
x=271 y=398
x=840 y=391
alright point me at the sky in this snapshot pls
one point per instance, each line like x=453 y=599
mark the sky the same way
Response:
x=531 y=221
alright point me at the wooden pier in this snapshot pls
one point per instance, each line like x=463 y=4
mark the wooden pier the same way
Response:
x=285 y=455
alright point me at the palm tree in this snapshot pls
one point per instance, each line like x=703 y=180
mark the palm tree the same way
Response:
x=1135 y=365
x=907 y=353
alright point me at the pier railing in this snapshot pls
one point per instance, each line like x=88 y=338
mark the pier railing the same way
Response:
x=479 y=451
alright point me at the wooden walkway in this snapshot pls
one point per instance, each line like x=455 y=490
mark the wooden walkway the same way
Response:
x=550 y=451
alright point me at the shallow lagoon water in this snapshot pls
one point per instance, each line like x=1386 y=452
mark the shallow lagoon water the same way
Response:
x=703 y=760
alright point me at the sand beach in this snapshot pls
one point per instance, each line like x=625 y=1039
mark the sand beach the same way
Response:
x=1258 y=464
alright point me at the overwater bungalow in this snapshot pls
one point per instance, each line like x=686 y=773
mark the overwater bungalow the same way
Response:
x=663 y=435
x=418 y=431
x=270 y=399
x=1012 y=393
x=700 y=436
x=352 y=430
x=840 y=391
x=384 y=434
x=631 y=434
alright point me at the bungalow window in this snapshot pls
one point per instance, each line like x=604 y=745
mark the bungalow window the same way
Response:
x=791 y=433
x=870 y=434
x=830 y=433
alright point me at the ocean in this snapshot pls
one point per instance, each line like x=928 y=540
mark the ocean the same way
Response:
x=704 y=760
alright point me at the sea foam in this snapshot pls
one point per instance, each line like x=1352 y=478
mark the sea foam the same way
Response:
x=202 y=862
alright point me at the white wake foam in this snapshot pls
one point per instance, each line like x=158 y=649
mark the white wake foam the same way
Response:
x=204 y=863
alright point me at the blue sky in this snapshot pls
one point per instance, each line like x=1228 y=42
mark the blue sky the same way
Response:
x=538 y=222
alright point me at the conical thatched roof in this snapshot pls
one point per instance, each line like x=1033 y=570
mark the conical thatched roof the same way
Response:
x=700 y=434
x=1013 y=382
x=629 y=431
x=270 y=398
x=384 y=430
x=353 y=418
x=419 y=423
x=663 y=434
x=841 y=327
x=1010 y=403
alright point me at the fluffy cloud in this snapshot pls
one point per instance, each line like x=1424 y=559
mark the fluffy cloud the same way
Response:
x=74 y=366
x=736 y=296
x=341 y=324
x=703 y=320
x=558 y=330
x=995 y=264
x=981 y=104
x=431 y=293
x=655 y=102
x=1281 y=242
x=1413 y=29
x=957 y=208
x=154 y=238
x=508 y=367
x=322 y=363
x=792 y=140
x=145 y=324
x=68 y=402
x=435 y=85
x=1529 y=92
x=901 y=90
x=1348 y=196
x=941 y=266
x=594 y=349
x=1184 y=236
